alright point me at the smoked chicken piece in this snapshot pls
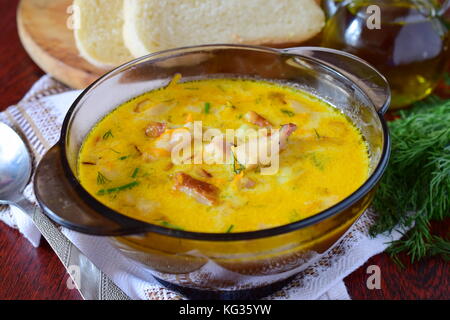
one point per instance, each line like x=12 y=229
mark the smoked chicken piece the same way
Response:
x=155 y=129
x=257 y=119
x=285 y=131
x=201 y=191
x=245 y=153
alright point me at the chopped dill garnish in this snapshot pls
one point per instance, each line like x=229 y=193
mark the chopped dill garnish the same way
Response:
x=294 y=216
x=207 y=107
x=317 y=134
x=115 y=151
x=415 y=189
x=135 y=172
x=124 y=157
x=230 y=228
x=117 y=189
x=108 y=134
x=318 y=163
x=221 y=88
x=170 y=225
x=101 y=179
x=237 y=167
x=288 y=112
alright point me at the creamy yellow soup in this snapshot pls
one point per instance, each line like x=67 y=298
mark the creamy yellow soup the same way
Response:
x=126 y=161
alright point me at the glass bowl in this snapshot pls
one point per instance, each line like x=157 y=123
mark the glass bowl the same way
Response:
x=219 y=264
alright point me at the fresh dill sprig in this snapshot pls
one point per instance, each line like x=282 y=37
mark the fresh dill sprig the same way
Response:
x=415 y=189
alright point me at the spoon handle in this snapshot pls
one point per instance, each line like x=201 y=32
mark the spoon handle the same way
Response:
x=85 y=275
x=25 y=205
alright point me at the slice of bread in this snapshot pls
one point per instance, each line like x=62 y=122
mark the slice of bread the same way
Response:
x=154 y=25
x=98 y=32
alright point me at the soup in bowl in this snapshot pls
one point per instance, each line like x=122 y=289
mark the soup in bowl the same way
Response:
x=128 y=163
x=222 y=169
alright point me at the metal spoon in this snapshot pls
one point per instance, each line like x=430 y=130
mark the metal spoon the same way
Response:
x=15 y=169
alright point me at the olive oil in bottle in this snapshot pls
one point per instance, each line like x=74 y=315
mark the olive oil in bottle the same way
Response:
x=410 y=48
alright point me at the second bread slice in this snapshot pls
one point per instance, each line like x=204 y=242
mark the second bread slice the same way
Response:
x=153 y=25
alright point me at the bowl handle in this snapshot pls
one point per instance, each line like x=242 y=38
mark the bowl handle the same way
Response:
x=372 y=82
x=62 y=204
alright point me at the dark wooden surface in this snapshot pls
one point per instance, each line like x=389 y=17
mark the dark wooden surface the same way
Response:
x=29 y=273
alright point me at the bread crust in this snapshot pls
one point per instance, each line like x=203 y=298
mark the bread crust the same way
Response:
x=152 y=25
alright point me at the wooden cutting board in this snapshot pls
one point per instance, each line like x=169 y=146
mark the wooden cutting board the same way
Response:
x=44 y=32
x=50 y=43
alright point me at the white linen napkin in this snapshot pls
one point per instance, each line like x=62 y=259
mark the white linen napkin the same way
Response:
x=38 y=117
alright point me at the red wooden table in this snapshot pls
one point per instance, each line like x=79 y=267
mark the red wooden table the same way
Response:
x=29 y=273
